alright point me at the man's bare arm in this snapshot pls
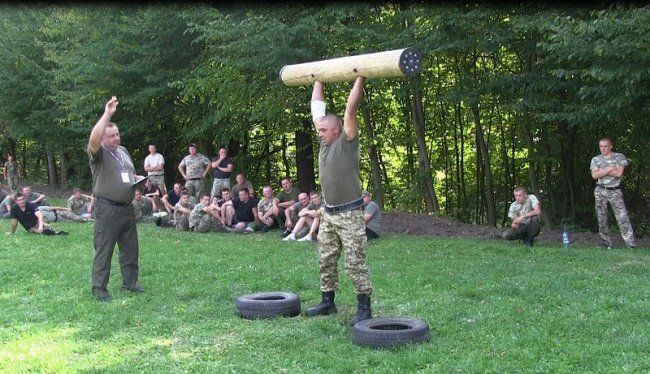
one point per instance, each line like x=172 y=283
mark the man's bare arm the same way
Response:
x=350 y=121
x=95 y=140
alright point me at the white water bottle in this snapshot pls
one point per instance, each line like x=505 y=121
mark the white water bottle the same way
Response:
x=565 y=238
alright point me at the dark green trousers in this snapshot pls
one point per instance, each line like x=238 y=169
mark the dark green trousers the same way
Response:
x=114 y=225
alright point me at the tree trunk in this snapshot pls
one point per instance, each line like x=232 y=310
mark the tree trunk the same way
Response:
x=373 y=154
x=51 y=168
x=305 y=157
x=532 y=167
x=566 y=144
x=489 y=187
x=64 y=168
x=427 y=181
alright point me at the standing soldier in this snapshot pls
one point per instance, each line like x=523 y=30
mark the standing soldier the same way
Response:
x=342 y=227
x=194 y=167
x=607 y=168
x=221 y=169
x=154 y=165
x=12 y=173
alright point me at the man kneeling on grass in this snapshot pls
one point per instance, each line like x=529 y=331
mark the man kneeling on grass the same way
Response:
x=524 y=212
x=30 y=218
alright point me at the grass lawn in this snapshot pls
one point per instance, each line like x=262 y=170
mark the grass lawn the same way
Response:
x=492 y=306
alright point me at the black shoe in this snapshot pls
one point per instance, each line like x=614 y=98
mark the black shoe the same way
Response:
x=135 y=288
x=266 y=228
x=286 y=233
x=102 y=296
x=325 y=307
x=159 y=221
x=363 y=311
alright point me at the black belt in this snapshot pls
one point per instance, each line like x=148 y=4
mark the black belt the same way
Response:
x=608 y=188
x=111 y=202
x=193 y=179
x=353 y=205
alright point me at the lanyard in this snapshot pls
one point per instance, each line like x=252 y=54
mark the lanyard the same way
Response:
x=120 y=160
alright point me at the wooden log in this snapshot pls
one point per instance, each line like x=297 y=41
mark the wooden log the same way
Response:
x=389 y=64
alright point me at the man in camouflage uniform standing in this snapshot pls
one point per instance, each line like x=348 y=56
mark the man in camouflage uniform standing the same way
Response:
x=194 y=167
x=342 y=226
x=607 y=168
x=11 y=173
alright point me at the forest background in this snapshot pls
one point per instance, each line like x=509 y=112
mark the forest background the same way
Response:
x=508 y=95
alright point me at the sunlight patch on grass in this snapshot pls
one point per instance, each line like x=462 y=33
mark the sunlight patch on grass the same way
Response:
x=45 y=351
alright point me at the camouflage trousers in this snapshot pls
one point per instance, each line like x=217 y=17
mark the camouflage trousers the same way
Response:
x=343 y=231
x=60 y=215
x=209 y=224
x=12 y=181
x=218 y=184
x=195 y=187
x=615 y=199
x=159 y=180
x=532 y=228
x=182 y=223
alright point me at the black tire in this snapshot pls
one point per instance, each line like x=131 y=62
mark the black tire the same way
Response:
x=390 y=331
x=268 y=305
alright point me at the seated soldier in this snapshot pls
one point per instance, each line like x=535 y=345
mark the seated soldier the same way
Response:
x=245 y=217
x=142 y=207
x=33 y=196
x=153 y=193
x=205 y=216
x=309 y=220
x=3 y=193
x=171 y=198
x=182 y=211
x=286 y=198
x=227 y=210
x=524 y=212
x=80 y=204
x=5 y=206
x=242 y=182
x=291 y=213
x=372 y=216
x=58 y=214
x=30 y=218
x=267 y=209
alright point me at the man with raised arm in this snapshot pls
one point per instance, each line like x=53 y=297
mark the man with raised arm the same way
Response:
x=342 y=226
x=113 y=188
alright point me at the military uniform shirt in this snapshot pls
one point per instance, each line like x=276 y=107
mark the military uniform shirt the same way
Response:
x=600 y=161
x=517 y=209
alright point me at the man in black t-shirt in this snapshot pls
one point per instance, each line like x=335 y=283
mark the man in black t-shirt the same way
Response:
x=245 y=218
x=29 y=217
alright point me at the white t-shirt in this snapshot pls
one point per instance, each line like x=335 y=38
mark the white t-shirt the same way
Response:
x=154 y=160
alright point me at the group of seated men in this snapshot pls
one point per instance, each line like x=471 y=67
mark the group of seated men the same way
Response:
x=297 y=214
x=31 y=210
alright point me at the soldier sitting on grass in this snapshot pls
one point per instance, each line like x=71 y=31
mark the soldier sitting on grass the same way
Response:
x=30 y=218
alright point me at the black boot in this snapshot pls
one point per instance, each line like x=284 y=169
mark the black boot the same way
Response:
x=363 y=311
x=326 y=305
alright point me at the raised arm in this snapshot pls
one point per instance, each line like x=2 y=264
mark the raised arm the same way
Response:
x=318 y=101
x=350 y=121
x=96 y=134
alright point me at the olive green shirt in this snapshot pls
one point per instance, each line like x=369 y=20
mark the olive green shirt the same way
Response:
x=338 y=167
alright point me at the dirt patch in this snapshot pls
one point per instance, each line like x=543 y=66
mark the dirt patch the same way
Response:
x=421 y=224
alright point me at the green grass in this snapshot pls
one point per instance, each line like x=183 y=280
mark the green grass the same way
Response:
x=492 y=306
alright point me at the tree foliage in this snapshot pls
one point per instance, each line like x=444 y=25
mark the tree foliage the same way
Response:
x=511 y=94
